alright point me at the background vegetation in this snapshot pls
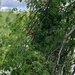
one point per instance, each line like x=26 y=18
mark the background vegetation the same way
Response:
x=39 y=41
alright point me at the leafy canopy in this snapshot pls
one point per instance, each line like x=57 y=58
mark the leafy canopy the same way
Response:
x=39 y=41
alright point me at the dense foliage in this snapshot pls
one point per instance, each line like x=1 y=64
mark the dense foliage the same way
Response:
x=39 y=41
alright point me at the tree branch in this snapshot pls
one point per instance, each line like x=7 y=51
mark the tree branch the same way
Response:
x=63 y=43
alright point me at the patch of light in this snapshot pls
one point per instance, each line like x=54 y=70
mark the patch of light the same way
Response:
x=4 y=8
x=74 y=51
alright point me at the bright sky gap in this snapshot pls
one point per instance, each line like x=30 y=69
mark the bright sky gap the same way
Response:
x=12 y=4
